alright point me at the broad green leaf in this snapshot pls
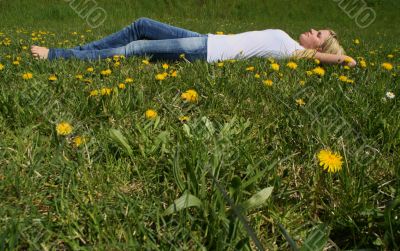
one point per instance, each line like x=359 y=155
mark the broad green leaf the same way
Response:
x=186 y=129
x=257 y=199
x=209 y=125
x=185 y=201
x=120 y=139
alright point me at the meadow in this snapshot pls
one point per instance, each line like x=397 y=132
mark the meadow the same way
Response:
x=129 y=154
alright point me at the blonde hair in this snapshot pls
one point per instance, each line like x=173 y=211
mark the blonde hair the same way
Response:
x=331 y=46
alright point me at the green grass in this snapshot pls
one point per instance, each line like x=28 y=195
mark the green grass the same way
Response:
x=242 y=137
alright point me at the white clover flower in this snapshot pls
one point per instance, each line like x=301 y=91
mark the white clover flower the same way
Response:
x=390 y=95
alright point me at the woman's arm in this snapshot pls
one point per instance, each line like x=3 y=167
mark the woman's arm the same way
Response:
x=327 y=58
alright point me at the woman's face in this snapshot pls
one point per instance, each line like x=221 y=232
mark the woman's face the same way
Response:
x=313 y=39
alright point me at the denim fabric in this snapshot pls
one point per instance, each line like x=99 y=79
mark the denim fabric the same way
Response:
x=144 y=37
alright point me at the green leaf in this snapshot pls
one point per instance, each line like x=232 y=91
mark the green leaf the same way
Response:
x=185 y=201
x=209 y=125
x=317 y=239
x=257 y=199
x=186 y=129
x=120 y=139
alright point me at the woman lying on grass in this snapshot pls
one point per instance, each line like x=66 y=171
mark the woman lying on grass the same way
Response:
x=146 y=37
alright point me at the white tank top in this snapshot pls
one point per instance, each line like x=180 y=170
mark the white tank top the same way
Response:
x=265 y=43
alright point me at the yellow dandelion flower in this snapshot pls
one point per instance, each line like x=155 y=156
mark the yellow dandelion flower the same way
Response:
x=88 y=81
x=190 y=96
x=150 y=114
x=363 y=64
x=390 y=56
x=121 y=86
x=275 y=67
x=94 y=93
x=16 y=62
x=300 y=102
x=174 y=74
x=347 y=60
x=64 y=128
x=250 y=68
x=302 y=82
x=79 y=140
x=1 y=67
x=356 y=41
x=232 y=60
x=184 y=119
x=52 y=78
x=106 y=72
x=27 y=75
x=116 y=58
x=319 y=71
x=160 y=76
x=128 y=80
x=309 y=73
x=257 y=75
x=316 y=61
x=332 y=162
x=343 y=78
x=219 y=33
x=146 y=62
x=90 y=69
x=117 y=64
x=292 y=65
x=268 y=82
x=105 y=91
x=387 y=66
x=165 y=66
x=79 y=76
x=25 y=48
x=220 y=64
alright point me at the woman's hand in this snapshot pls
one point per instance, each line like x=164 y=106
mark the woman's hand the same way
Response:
x=350 y=61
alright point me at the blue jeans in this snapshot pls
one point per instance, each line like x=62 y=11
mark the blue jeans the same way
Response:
x=144 y=37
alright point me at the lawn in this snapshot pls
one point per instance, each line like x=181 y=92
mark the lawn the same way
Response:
x=127 y=153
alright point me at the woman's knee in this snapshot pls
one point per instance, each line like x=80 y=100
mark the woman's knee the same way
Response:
x=142 y=20
x=140 y=24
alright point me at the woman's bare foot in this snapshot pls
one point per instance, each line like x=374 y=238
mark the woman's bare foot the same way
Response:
x=39 y=52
